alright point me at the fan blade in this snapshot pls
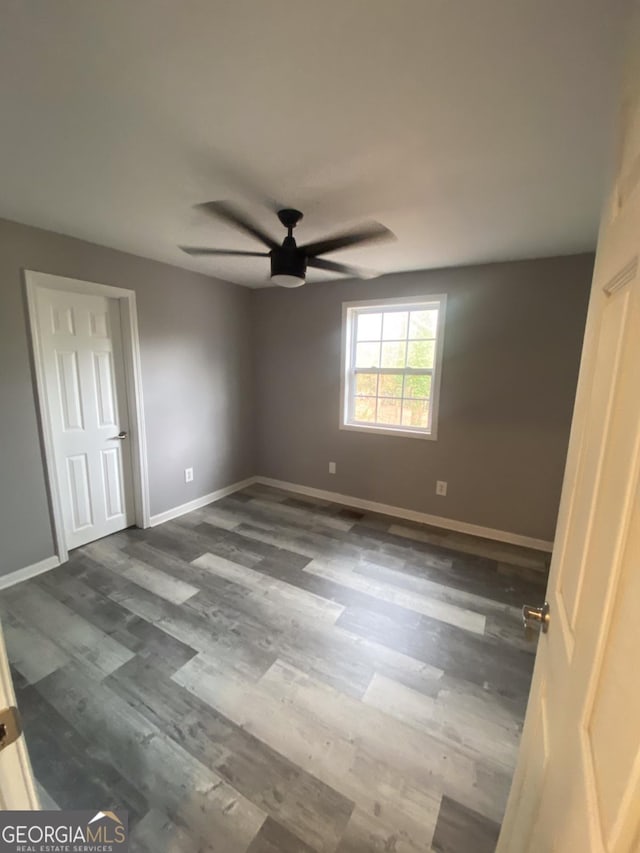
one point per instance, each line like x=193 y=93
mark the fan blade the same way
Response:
x=366 y=234
x=352 y=272
x=241 y=180
x=196 y=250
x=227 y=212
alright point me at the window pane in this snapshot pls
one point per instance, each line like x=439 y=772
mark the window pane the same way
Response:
x=367 y=355
x=365 y=409
x=389 y=411
x=420 y=353
x=367 y=384
x=394 y=327
x=423 y=324
x=417 y=386
x=390 y=385
x=393 y=354
x=415 y=413
x=369 y=327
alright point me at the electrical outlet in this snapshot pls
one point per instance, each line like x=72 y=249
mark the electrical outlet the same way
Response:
x=441 y=488
x=332 y=467
x=188 y=475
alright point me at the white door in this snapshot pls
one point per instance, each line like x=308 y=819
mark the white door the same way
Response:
x=17 y=787
x=577 y=785
x=80 y=342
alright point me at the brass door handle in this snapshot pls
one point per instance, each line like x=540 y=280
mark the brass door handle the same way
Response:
x=10 y=726
x=535 y=618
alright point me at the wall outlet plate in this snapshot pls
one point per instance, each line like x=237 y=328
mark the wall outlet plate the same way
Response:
x=441 y=488
x=188 y=475
x=332 y=467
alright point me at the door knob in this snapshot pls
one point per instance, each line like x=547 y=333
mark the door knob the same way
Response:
x=122 y=435
x=535 y=618
x=10 y=726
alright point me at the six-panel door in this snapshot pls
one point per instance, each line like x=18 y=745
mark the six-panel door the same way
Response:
x=81 y=344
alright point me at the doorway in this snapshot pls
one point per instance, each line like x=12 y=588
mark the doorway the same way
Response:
x=88 y=380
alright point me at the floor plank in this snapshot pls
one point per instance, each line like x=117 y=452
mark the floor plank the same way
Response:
x=460 y=828
x=99 y=653
x=453 y=614
x=288 y=596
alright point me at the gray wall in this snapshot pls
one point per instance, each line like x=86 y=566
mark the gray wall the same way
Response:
x=511 y=355
x=512 y=348
x=196 y=371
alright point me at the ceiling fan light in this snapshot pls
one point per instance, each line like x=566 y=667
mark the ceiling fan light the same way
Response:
x=284 y=280
x=288 y=265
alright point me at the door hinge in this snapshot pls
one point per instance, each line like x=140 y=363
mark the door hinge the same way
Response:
x=10 y=726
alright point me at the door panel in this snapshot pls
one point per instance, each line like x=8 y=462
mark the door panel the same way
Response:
x=69 y=389
x=612 y=721
x=81 y=512
x=99 y=323
x=111 y=468
x=80 y=341
x=572 y=565
x=105 y=389
x=62 y=320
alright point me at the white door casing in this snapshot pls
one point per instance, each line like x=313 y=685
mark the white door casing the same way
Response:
x=577 y=784
x=88 y=378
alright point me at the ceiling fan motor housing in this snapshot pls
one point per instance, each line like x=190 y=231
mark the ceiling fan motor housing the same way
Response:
x=288 y=260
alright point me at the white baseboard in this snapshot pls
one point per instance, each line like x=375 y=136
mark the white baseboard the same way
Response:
x=29 y=572
x=358 y=503
x=348 y=500
x=183 y=509
x=412 y=515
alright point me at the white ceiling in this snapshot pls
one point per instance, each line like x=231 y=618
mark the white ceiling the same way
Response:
x=475 y=129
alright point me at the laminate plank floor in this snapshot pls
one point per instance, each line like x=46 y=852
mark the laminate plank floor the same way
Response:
x=278 y=674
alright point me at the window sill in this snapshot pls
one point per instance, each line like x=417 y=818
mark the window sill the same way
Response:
x=397 y=432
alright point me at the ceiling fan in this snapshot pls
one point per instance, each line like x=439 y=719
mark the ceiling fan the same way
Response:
x=289 y=261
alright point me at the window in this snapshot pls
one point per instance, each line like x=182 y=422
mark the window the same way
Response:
x=392 y=363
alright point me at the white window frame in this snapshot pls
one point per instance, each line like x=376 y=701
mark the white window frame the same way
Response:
x=350 y=311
